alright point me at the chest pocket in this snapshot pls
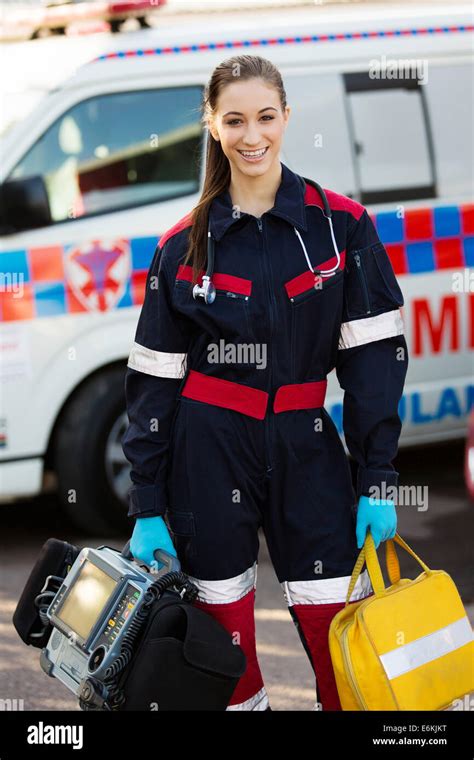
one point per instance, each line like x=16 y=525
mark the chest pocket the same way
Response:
x=228 y=315
x=304 y=288
x=315 y=319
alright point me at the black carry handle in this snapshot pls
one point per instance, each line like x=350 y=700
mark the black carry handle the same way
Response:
x=172 y=563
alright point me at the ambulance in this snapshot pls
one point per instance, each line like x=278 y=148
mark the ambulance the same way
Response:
x=382 y=112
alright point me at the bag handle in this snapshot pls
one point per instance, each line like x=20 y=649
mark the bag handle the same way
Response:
x=391 y=561
x=368 y=554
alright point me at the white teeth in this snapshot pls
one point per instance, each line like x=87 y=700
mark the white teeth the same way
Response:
x=252 y=153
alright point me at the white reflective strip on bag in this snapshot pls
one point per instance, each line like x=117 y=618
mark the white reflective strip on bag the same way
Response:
x=326 y=590
x=227 y=590
x=427 y=648
x=158 y=363
x=368 y=329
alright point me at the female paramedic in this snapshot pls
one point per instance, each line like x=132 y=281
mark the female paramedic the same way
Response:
x=251 y=300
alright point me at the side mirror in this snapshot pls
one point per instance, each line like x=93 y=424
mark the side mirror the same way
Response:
x=24 y=205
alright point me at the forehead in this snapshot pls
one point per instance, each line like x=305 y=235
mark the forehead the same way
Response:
x=247 y=96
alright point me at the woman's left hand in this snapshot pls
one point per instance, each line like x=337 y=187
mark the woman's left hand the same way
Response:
x=377 y=515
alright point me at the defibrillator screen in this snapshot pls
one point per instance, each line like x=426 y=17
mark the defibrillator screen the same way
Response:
x=86 y=599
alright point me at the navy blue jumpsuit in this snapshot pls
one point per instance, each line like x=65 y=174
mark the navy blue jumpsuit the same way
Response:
x=227 y=426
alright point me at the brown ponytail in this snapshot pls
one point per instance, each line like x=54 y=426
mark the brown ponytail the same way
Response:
x=217 y=176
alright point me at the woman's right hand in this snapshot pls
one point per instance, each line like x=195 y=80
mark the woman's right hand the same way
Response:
x=151 y=533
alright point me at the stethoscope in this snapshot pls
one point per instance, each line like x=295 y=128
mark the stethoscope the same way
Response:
x=208 y=291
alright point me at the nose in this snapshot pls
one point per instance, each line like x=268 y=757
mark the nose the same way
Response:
x=252 y=137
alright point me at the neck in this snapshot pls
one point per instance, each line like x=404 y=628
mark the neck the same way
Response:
x=257 y=193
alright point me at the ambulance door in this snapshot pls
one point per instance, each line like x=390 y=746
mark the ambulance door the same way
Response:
x=411 y=139
x=101 y=177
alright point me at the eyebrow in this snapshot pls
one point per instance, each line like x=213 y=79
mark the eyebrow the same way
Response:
x=241 y=114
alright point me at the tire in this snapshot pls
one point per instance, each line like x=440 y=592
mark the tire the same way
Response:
x=115 y=26
x=143 y=22
x=89 y=429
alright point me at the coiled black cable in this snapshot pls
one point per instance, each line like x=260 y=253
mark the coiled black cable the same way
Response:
x=43 y=600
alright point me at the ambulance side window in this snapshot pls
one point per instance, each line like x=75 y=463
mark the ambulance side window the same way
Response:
x=317 y=142
x=120 y=150
x=391 y=112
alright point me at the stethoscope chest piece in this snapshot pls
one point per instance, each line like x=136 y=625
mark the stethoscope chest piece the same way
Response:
x=207 y=290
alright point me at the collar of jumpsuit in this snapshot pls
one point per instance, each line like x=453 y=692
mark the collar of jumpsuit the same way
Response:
x=289 y=205
x=278 y=320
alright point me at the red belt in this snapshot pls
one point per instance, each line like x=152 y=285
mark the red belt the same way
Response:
x=251 y=401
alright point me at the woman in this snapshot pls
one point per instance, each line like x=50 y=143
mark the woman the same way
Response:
x=228 y=430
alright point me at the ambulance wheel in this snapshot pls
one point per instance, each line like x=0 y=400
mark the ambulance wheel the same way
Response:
x=92 y=471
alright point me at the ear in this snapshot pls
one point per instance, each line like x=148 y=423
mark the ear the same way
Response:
x=213 y=131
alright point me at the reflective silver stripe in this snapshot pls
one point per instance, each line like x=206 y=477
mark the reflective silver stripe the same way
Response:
x=326 y=590
x=368 y=329
x=227 y=590
x=158 y=363
x=427 y=648
x=259 y=701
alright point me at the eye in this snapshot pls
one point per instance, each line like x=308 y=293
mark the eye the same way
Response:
x=265 y=116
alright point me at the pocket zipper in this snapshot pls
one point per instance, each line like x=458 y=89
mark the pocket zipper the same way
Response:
x=219 y=292
x=230 y=294
x=363 y=283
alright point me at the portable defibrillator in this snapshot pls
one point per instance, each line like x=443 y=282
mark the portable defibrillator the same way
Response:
x=122 y=637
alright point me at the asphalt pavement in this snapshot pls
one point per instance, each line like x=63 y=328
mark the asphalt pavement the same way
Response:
x=439 y=529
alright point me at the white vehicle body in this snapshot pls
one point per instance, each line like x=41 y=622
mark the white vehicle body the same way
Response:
x=108 y=141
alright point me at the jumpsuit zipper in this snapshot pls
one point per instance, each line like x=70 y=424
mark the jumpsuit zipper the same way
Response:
x=363 y=283
x=269 y=416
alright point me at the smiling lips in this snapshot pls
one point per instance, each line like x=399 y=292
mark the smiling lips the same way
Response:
x=253 y=155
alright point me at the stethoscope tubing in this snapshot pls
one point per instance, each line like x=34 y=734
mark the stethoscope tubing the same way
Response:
x=207 y=289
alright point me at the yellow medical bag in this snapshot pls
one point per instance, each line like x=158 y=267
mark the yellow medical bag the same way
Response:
x=405 y=647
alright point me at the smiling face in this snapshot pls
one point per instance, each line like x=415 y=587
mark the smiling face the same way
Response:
x=250 y=125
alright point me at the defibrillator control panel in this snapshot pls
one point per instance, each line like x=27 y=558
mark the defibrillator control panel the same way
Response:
x=117 y=619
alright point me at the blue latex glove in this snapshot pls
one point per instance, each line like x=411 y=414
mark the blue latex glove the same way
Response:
x=151 y=533
x=377 y=515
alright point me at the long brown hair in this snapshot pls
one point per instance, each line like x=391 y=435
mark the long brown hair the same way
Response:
x=217 y=175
